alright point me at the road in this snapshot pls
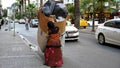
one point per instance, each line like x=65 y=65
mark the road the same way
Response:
x=85 y=53
x=30 y=34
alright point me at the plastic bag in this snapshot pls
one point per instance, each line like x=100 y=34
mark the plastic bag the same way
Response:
x=60 y=10
x=48 y=8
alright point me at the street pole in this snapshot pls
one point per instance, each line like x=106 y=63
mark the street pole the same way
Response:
x=9 y=24
x=93 y=29
x=13 y=21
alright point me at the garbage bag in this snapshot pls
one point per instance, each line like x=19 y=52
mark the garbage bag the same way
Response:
x=48 y=8
x=60 y=10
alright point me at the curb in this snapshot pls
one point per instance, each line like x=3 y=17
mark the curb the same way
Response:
x=29 y=44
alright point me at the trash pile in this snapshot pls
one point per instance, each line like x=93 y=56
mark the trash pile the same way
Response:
x=59 y=10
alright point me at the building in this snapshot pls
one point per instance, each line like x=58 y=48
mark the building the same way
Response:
x=68 y=1
x=9 y=12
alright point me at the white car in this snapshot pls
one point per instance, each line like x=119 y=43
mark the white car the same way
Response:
x=71 y=32
x=34 y=23
x=90 y=23
x=109 y=32
x=21 y=21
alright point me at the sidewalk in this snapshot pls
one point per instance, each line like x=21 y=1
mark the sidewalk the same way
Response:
x=14 y=53
x=88 y=30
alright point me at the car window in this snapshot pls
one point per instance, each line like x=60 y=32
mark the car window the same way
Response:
x=36 y=20
x=110 y=24
x=68 y=23
x=117 y=23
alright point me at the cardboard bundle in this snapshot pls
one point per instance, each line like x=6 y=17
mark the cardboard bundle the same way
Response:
x=43 y=20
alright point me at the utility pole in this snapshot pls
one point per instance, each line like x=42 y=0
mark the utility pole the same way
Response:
x=93 y=29
x=14 y=7
x=14 y=22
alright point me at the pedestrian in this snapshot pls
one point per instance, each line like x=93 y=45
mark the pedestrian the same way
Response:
x=1 y=23
x=53 y=53
x=26 y=23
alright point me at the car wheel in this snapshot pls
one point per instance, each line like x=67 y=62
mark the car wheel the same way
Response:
x=101 y=39
x=88 y=24
x=84 y=27
x=30 y=25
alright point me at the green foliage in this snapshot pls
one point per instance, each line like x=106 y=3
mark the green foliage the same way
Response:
x=87 y=5
x=31 y=11
x=31 y=6
x=70 y=8
x=0 y=16
x=0 y=5
x=5 y=13
x=17 y=15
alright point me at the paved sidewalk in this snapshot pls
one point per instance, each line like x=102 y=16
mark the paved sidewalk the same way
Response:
x=88 y=30
x=14 y=53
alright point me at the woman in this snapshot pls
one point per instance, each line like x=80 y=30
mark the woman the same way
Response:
x=53 y=54
x=26 y=23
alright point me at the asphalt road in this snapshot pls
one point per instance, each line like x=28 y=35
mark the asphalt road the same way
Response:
x=30 y=34
x=85 y=53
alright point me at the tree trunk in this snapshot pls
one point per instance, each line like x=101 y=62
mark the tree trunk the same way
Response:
x=76 y=13
x=29 y=11
x=28 y=2
x=19 y=7
x=41 y=3
x=93 y=24
x=21 y=3
x=25 y=5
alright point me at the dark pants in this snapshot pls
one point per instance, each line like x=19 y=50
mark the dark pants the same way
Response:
x=0 y=26
x=26 y=26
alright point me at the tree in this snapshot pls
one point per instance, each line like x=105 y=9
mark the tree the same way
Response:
x=5 y=13
x=70 y=9
x=41 y=3
x=76 y=13
x=0 y=5
x=25 y=4
x=94 y=7
x=33 y=11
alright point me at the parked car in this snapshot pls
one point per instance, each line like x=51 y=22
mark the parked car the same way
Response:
x=71 y=32
x=16 y=21
x=33 y=22
x=109 y=32
x=90 y=23
x=21 y=21
x=83 y=23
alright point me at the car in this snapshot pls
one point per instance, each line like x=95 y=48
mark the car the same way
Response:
x=33 y=22
x=109 y=32
x=21 y=21
x=83 y=23
x=71 y=32
x=16 y=20
x=90 y=23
